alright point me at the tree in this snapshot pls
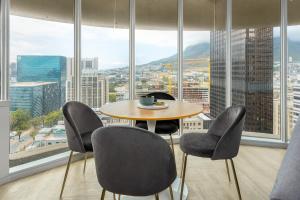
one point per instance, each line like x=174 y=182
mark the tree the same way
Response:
x=52 y=118
x=33 y=134
x=20 y=121
x=112 y=97
x=37 y=122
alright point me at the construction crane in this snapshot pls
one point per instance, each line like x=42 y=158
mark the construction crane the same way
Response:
x=170 y=68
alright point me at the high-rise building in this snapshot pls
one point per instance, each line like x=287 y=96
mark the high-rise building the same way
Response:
x=39 y=98
x=296 y=103
x=43 y=69
x=94 y=89
x=252 y=75
x=89 y=64
x=217 y=72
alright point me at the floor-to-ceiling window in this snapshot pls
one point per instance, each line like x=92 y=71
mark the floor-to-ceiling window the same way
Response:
x=255 y=43
x=293 y=70
x=41 y=47
x=204 y=60
x=156 y=47
x=41 y=63
x=105 y=54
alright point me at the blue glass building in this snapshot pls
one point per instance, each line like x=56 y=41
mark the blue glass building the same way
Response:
x=32 y=68
x=39 y=98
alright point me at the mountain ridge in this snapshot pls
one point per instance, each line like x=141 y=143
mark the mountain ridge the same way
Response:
x=202 y=50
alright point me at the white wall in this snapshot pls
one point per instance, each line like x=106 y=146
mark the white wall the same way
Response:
x=4 y=138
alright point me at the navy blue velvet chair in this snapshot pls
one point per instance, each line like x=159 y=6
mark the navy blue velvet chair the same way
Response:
x=222 y=141
x=80 y=122
x=165 y=126
x=132 y=161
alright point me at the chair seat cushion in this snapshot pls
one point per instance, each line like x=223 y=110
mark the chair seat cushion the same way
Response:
x=199 y=144
x=162 y=127
x=87 y=141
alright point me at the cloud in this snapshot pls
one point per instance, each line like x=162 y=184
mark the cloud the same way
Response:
x=40 y=37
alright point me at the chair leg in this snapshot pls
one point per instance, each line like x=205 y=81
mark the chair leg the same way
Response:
x=156 y=197
x=172 y=144
x=119 y=198
x=171 y=192
x=84 y=166
x=227 y=168
x=236 y=180
x=103 y=194
x=182 y=164
x=66 y=174
x=115 y=197
x=183 y=176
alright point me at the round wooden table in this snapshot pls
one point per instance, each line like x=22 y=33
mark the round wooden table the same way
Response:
x=129 y=110
x=176 y=110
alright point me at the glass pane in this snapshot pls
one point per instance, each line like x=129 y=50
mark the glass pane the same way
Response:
x=105 y=54
x=156 y=47
x=293 y=103
x=41 y=46
x=0 y=49
x=256 y=65
x=204 y=60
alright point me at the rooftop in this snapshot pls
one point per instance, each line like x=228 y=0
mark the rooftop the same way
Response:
x=30 y=84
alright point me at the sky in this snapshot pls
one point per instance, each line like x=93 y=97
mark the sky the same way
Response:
x=39 y=37
x=111 y=46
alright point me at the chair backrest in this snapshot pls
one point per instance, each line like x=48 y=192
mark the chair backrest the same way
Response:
x=132 y=161
x=228 y=126
x=79 y=119
x=286 y=186
x=161 y=95
x=165 y=96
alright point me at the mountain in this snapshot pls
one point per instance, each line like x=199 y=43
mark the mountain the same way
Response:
x=293 y=49
x=200 y=50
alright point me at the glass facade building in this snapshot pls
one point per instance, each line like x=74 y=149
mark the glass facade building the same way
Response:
x=252 y=76
x=38 y=98
x=32 y=68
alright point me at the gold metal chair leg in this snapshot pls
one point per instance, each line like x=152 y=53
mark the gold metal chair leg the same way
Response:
x=182 y=164
x=84 y=166
x=115 y=197
x=171 y=192
x=119 y=198
x=156 y=197
x=236 y=180
x=103 y=194
x=183 y=176
x=66 y=174
x=172 y=144
x=227 y=168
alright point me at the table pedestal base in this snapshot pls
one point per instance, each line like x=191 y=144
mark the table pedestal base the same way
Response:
x=164 y=195
x=151 y=125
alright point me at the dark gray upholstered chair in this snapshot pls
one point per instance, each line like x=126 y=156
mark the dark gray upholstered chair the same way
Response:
x=287 y=184
x=165 y=126
x=132 y=161
x=80 y=122
x=222 y=141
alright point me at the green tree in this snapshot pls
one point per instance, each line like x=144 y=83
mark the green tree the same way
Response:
x=20 y=121
x=112 y=97
x=37 y=122
x=33 y=134
x=52 y=118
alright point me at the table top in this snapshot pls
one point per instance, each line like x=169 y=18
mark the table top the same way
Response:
x=129 y=110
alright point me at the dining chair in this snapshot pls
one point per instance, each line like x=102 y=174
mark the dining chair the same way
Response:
x=80 y=122
x=132 y=161
x=221 y=142
x=165 y=126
